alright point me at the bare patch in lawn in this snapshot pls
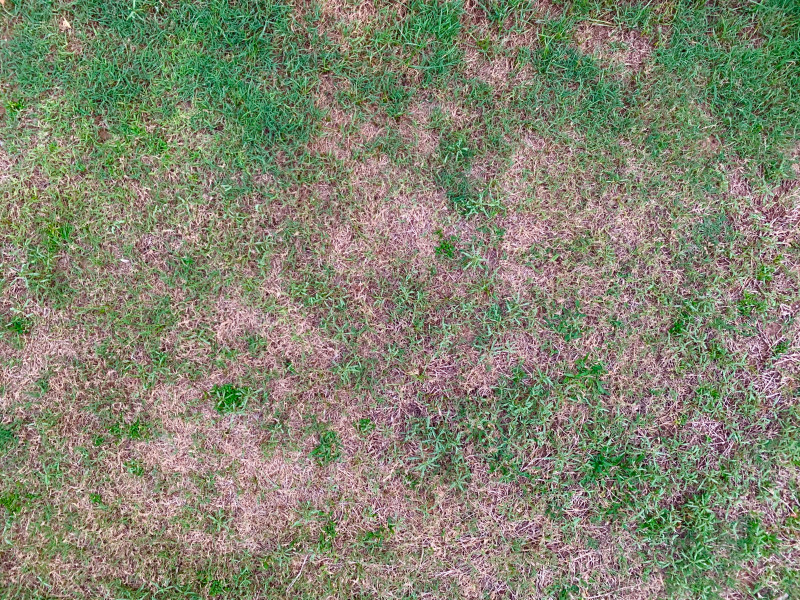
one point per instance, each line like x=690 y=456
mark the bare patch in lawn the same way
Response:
x=415 y=129
x=524 y=182
x=495 y=71
x=47 y=350
x=626 y=48
x=406 y=223
x=5 y=166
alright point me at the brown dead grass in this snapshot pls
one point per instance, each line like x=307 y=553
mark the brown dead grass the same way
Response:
x=5 y=167
x=262 y=487
x=347 y=16
x=416 y=129
x=49 y=347
x=338 y=127
x=626 y=48
x=535 y=159
x=498 y=72
x=261 y=494
x=406 y=224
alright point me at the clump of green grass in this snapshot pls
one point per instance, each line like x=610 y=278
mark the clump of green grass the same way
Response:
x=19 y=324
x=328 y=448
x=229 y=398
x=7 y=437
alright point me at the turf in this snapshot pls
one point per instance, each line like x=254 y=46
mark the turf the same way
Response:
x=399 y=299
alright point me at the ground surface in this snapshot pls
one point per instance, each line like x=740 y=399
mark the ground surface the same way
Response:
x=421 y=300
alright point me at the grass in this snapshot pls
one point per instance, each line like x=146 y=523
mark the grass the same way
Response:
x=407 y=300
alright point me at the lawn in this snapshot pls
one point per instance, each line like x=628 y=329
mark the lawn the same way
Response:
x=484 y=299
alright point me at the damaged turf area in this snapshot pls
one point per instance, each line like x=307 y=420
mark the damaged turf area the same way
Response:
x=399 y=299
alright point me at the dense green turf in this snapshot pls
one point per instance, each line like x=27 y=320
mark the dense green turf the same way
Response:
x=403 y=300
